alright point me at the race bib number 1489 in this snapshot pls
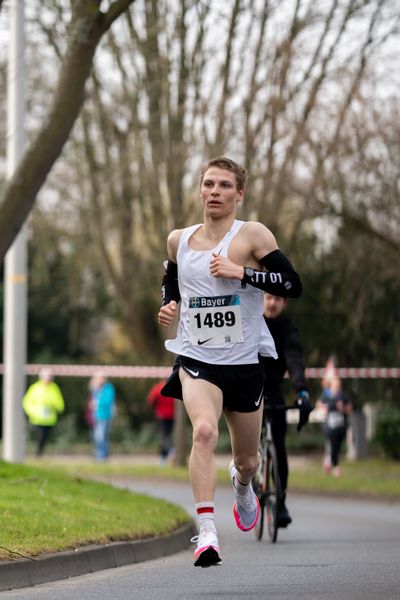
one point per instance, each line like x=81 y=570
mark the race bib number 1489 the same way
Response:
x=215 y=320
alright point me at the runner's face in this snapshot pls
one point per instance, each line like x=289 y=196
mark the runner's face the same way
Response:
x=273 y=306
x=219 y=193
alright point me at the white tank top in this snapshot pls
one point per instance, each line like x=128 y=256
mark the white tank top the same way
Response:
x=220 y=322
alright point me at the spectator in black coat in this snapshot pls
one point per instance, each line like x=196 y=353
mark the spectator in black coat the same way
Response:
x=290 y=358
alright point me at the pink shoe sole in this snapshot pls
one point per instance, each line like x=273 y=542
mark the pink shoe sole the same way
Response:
x=206 y=556
x=238 y=521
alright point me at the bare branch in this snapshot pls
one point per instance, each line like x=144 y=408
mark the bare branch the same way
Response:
x=218 y=144
x=87 y=27
x=362 y=224
x=116 y=9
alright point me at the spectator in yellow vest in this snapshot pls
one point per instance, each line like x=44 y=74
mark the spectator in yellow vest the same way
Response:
x=42 y=403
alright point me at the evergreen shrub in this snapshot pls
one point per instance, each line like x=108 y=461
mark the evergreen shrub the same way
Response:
x=387 y=434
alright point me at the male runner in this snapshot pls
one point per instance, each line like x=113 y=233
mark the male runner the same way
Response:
x=218 y=270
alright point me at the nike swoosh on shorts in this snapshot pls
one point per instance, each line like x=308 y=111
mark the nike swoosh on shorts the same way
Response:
x=257 y=403
x=194 y=373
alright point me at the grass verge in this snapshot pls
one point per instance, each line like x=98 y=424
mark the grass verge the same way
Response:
x=57 y=507
x=372 y=477
x=47 y=509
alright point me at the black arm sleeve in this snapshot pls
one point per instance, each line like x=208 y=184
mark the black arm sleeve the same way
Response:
x=280 y=280
x=170 y=287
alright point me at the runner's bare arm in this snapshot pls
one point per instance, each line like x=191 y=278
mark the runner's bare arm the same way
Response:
x=280 y=279
x=257 y=241
x=172 y=243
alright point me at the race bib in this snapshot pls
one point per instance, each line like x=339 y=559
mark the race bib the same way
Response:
x=335 y=420
x=215 y=320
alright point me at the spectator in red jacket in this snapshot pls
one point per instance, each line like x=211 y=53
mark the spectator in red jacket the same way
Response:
x=164 y=411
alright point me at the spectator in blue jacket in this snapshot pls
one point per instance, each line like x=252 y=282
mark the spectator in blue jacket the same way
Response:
x=103 y=411
x=337 y=407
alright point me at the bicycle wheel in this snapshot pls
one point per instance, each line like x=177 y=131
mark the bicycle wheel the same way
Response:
x=274 y=493
x=259 y=486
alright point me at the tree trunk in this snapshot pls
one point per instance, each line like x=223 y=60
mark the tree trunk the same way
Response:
x=88 y=24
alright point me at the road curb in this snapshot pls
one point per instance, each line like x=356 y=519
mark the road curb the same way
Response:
x=89 y=559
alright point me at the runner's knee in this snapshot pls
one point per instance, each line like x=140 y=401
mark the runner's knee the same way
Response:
x=205 y=434
x=246 y=466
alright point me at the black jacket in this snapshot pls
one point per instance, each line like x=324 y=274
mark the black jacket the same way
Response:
x=290 y=358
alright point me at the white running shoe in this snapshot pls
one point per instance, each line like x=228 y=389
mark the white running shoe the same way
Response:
x=207 y=550
x=246 y=509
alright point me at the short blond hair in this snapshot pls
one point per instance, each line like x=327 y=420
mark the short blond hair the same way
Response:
x=223 y=162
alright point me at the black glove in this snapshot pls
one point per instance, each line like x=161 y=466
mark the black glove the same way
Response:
x=305 y=406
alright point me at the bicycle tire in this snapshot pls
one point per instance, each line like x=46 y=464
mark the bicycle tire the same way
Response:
x=259 y=486
x=274 y=493
x=259 y=483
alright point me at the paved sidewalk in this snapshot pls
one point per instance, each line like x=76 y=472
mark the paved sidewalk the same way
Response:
x=222 y=460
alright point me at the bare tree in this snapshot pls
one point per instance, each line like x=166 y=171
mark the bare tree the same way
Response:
x=359 y=184
x=88 y=25
x=276 y=85
x=136 y=161
x=355 y=160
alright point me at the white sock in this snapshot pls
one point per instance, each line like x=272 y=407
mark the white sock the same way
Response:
x=244 y=494
x=242 y=488
x=205 y=513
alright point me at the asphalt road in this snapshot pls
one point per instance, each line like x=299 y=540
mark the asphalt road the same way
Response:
x=335 y=549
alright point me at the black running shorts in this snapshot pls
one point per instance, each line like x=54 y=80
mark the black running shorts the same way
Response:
x=241 y=385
